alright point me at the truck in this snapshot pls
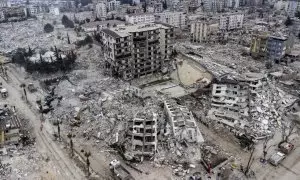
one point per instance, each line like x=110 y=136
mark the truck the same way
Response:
x=277 y=158
x=119 y=172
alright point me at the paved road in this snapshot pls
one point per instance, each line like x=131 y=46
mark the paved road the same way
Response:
x=65 y=168
x=98 y=161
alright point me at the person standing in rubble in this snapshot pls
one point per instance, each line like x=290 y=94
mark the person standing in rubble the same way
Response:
x=41 y=127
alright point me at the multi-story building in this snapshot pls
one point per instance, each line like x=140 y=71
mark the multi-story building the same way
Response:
x=182 y=122
x=276 y=47
x=2 y=17
x=296 y=26
x=36 y=9
x=231 y=21
x=113 y=5
x=143 y=135
x=140 y=18
x=100 y=10
x=202 y=30
x=199 y=32
x=233 y=4
x=4 y=3
x=14 y=12
x=137 y=50
x=213 y=5
x=176 y=19
x=229 y=102
x=54 y=10
x=155 y=8
x=291 y=7
x=258 y=46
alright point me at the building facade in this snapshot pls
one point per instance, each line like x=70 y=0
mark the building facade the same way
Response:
x=231 y=21
x=176 y=19
x=258 y=46
x=199 y=32
x=113 y=5
x=140 y=18
x=182 y=122
x=291 y=7
x=143 y=135
x=100 y=10
x=276 y=47
x=137 y=50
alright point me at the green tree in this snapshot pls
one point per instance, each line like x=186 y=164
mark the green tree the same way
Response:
x=48 y=28
x=288 y=21
x=297 y=14
x=67 y=22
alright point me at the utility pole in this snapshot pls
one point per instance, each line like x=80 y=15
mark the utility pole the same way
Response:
x=249 y=162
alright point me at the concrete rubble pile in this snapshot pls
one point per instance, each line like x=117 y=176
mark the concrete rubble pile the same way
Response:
x=249 y=104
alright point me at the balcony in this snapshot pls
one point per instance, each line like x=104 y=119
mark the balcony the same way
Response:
x=139 y=38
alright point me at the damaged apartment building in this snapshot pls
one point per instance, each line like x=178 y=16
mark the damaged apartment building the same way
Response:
x=231 y=99
x=137 y=50
x=142 y=135
x=182 y=123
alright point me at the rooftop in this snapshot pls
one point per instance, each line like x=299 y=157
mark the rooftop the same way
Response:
x=126 y=30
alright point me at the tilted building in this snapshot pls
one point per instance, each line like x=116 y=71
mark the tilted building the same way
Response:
x=182 y=122
x=137 y=50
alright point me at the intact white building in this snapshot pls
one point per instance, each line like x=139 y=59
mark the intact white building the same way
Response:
x=100 y=10
x=140 y=18
x=231 y=21
x=176 y=19
x=2 y=17
x=233 y=3
x=113 y=5
x=291 y=7
x=54 y=10
x=4 y=3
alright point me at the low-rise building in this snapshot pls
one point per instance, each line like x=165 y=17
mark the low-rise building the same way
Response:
x=231 y=21
x=9 y=126
x=137 y=50
x=182 y=122
x=176 y=19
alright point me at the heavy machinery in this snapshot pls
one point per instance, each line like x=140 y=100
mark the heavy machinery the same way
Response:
x=76 y=120
x=31 y=88
x=4 y=93
x=119 y=171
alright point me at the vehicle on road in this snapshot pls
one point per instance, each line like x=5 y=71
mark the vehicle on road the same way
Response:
x=119 y=171
x=277 y=158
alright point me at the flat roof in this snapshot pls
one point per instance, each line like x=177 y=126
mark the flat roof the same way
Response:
x=96 y=23
x=126 y=30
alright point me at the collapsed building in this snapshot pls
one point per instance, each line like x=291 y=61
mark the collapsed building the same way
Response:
x=137 y=50
x=182 y=122
x=249 y=103
x=142 y=135
x=9 y=126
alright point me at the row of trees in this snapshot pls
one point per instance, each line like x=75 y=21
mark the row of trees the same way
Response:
x=57 y=63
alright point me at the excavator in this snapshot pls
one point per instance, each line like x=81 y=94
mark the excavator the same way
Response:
x=77 y=117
